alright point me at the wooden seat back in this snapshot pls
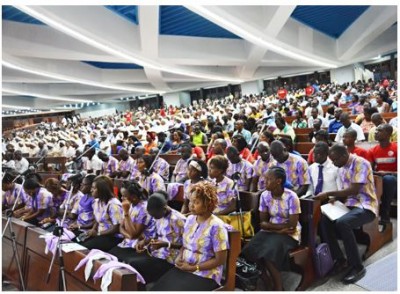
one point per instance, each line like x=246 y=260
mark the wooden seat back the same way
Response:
x=304 y=147
x=228 y=283
x=302 y=131
x=172 y=159
x=122 y=280
x=289 y=119
x=370 y=234
x=388 y=115
x=50 y=160
x=9 y=265
x=37 y=264
x=250 y=201
x=302 y=138
x=302 y=256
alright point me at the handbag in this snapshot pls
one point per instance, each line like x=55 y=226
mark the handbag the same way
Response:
x=247 y=275
x=233 y=219
x=323 y=260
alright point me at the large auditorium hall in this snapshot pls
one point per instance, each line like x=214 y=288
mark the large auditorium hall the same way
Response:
x=199 y=147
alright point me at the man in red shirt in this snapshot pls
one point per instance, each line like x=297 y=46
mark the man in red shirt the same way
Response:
x=128 y=116
x=383 y=159
x=349 y=139
x=282 y=92
x=309 y=90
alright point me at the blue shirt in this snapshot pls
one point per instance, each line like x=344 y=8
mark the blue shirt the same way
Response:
x=95 y=143
x=167 y=147
x=334 y=126
x=245 y=133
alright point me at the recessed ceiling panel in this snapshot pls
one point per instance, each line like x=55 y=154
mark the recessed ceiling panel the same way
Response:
x=180 y=21
x=330 y=20
x=113 y=65
x=129 y=12
x=13 y=14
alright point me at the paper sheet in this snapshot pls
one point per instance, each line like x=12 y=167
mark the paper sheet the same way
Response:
x=69 y=247
x=334 y=211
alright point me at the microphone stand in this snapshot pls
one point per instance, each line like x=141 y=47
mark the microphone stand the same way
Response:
x=59 y=231
x=236 y=178
x=37 y=162
x=147 y=172
x=9 y=213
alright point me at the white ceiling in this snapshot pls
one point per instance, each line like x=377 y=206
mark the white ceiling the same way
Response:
x=45 y=61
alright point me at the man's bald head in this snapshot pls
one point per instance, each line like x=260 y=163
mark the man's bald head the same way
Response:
x=377 y=119
x=278 y=151
x=345 y=119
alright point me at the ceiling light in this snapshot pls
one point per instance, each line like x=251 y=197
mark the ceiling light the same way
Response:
x=42 y=96
x=254 y=37
x=298 y=74
x=116 y=51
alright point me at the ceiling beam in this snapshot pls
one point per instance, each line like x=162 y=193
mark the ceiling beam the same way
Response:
x=372 y=23
x=149 y=23
x=277 y=21
x=120 y=39
x=254 y=35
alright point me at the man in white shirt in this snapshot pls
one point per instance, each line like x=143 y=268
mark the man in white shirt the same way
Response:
x=347 y=123
x=8 y=160
x=314 y=115
x=70 y=151
x=328 y=180
x=91 y=162
x=105 y=144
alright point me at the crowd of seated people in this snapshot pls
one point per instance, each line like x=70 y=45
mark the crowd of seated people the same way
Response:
x=220 y=147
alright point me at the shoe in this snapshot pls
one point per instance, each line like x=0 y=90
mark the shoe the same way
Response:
x=338 y=267
x=354 y=275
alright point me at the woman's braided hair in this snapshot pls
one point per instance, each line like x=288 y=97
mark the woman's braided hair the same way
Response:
x=207 y=193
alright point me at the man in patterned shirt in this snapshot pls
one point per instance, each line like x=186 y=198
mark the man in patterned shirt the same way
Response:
x=110 y=164
x=180 y=171
x=243 y=168
x=261 y=166
x=125 y=165
x=160 y=166
x=295 y=166
x=357 y=191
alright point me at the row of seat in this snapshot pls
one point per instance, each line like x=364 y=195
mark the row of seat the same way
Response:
x=35 y=264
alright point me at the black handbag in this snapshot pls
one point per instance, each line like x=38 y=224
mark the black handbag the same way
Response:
x=247 y=275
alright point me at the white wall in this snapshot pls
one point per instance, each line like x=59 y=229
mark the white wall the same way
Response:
x=172 y=99
x=253 y=87
x=343 y=74
x=102 y=109
x=184 y=98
